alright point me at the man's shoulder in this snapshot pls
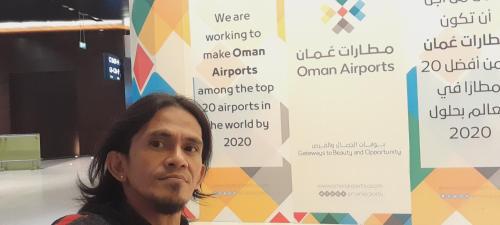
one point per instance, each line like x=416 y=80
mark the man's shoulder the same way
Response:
x=81 y=219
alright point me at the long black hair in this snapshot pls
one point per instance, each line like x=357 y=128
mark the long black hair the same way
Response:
x=103 y=186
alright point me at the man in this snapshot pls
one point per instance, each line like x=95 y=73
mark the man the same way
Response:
x=150 y=165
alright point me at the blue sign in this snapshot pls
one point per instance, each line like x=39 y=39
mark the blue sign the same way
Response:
x=112 y=67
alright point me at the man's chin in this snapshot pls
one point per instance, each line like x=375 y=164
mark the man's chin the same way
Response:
x=169 y=206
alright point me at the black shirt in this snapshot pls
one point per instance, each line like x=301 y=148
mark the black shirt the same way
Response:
x=112 y=213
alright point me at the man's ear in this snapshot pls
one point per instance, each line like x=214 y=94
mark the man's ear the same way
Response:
x=116 y=164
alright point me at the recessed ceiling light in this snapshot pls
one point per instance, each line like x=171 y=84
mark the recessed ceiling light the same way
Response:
x=68 y=8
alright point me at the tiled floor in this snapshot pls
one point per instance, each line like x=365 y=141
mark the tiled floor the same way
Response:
x=38 y=197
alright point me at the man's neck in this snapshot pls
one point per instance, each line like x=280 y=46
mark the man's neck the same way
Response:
x=149 y=213
x=155 y=218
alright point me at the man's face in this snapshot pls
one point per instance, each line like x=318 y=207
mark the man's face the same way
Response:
x=164 y=165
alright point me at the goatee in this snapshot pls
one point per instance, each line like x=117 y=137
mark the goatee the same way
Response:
x=168 y=207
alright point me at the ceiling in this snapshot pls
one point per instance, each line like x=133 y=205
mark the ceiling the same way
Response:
x=60 y=10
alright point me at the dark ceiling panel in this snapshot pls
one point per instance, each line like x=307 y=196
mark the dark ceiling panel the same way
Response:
x=45 y=10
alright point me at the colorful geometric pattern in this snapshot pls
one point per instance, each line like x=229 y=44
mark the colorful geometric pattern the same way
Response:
x=356 y=10
x=323 y=218
x=164 y=18
x=343 y=23
x=140 y=11
x=448 y=196
x=145 y=82
x=417 y=173
x=389 y=219
x=251 y=195
x=142 y=67
x=157 y=84
x=132 y=93
x=188 y=214
x=153 y=22
x=492 y=174
x=328 y=13
x=279 y=218
x=280 y=6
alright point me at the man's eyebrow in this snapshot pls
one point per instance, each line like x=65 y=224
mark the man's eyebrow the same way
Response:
x=161 y=133
x=167 y=134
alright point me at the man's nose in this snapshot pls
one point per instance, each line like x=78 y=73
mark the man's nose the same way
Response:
x=176 y=158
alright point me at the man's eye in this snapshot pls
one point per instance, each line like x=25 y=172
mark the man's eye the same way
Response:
x=191 y=148
x=156 y=144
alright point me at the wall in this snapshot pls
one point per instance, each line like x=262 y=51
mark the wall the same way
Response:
x=97 y=101
x=4 y=104
x=49 y=110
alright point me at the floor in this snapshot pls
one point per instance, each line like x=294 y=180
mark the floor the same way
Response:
x=40 y=196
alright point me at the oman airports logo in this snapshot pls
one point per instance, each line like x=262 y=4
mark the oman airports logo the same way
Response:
x=345 y=12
